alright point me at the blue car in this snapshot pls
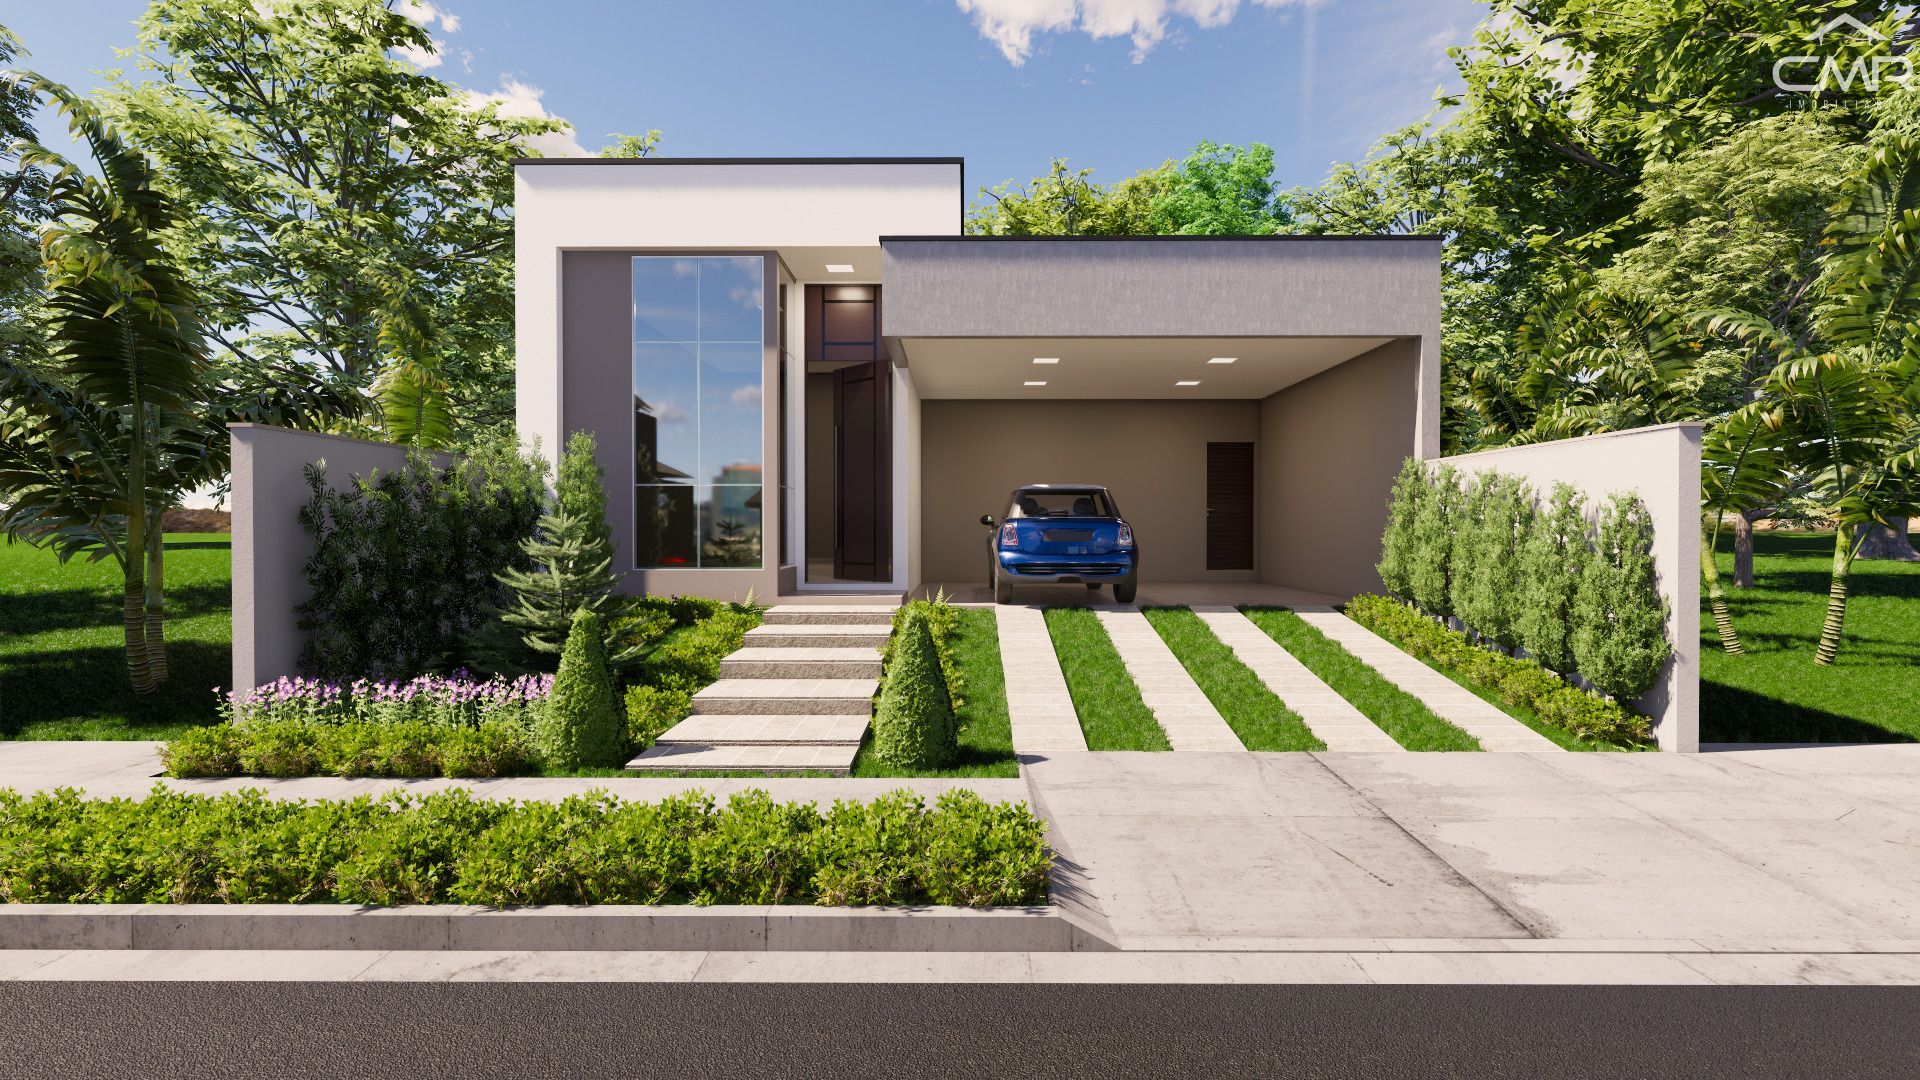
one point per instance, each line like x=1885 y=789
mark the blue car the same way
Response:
x=1062 y=533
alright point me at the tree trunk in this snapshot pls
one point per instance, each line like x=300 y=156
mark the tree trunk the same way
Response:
x=1880 y=542
x=156 y=617
x=1742 y=551
x=1836 y=597
x=1722 y=620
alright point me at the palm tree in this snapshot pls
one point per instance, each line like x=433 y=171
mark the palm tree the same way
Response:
x=1845 y=407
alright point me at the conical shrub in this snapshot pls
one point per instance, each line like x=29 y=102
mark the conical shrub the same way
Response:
x=1619 y=617
x=582 y=726
x=914 y=726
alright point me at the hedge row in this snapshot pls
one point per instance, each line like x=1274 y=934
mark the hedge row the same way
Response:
x=1577 y=597
x=1515 y=680
x=449 y=847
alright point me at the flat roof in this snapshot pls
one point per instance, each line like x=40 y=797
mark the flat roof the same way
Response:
x=738 y=161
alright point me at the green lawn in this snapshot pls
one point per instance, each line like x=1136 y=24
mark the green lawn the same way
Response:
x=1776 y=693
x=62 y=669
x=986 y=733
x=1254 y=712
x=1399 y=714
x=1111 y=712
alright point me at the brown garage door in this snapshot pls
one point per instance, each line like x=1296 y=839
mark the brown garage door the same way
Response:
x=1229 y=506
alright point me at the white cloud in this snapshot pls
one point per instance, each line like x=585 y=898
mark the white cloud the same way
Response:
x=1012 y=24
x=516 y=98
x=748 y=396
x=424 y=14
x=670 y=413
x=421 y=56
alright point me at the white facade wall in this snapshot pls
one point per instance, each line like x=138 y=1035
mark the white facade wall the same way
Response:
x=1662 y=466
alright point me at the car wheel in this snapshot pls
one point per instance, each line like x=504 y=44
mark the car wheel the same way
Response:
x=1123 y=591
x=1002 y=588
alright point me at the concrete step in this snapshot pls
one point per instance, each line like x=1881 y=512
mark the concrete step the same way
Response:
x=818 y=636
x=835 y=759
x=828 y=615
x=763 y=662
x=755 y=729
x=775 y=697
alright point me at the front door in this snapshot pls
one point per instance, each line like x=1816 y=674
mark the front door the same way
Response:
x=843 y=340
x=1229 y=506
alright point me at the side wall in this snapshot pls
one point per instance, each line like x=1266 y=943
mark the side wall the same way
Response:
x=1153 y=454
x=1662 y=466
x=1328 y=450
x=270 y=549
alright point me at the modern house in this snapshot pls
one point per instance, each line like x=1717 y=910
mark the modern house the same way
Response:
x=804 y=378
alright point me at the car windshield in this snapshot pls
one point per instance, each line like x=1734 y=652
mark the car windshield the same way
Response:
x=1082 y=503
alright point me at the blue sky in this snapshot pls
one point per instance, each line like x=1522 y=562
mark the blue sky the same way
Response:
x=1117 y=85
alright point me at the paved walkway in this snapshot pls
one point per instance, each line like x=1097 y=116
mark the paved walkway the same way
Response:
x=1755 y=851
x=131 y=769
x=1181 y=707
x=1038 y=706
x=1448 y=699
x=1326 y=713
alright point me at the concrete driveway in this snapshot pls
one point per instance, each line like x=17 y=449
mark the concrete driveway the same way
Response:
x=1782 y=849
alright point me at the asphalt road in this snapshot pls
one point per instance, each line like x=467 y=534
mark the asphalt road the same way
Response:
x=157 y=1030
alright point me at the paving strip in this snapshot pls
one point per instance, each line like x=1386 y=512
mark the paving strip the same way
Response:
x=1181 y=707
x=1326 y=713
x=1039 y=709
x=1449 y=700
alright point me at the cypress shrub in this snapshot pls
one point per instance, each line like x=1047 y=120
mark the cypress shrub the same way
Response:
x=1436 y=515
x=1397 y=543
x=582 y=725
x=1466 y=543
x=1553 y=559
x=1619 y=617
x=914 y=726
x=1487 y=557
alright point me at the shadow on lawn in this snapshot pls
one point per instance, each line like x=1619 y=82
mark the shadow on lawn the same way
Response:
x=93 y=609
x=1731 y=715
x=64 y=687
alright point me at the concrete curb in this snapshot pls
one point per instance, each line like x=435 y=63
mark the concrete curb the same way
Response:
x=448 y=927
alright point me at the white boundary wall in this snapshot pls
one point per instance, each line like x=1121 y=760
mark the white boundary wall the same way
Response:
x=1662 y=466
x=270 y=549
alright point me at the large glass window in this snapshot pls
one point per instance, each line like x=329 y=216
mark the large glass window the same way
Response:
x=699 y=335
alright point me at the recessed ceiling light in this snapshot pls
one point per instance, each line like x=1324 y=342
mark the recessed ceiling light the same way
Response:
x=1046 y=359
x=1223 y=360
x=1187 y=382
x=839 y=268
x=1036 y=382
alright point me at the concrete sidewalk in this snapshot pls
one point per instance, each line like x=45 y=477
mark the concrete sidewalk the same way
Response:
x=130 y=770
x=1245 y=852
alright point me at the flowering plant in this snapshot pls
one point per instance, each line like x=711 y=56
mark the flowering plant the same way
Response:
x=457 y=700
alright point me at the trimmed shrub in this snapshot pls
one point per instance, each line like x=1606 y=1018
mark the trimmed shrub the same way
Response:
x=1436 y=516
x=690 y=659
x=1516 y=681
x=1619 y=618
x=203 y=751
x=914 y=726
x=651 y=710
x=1487 y=557
x=943 y=622
x=403 y=569
x=1397 y=542
x=582 y=725
x=450 y=847
x=1553 y=558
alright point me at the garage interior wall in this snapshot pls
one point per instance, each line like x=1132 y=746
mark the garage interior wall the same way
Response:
x=1152 y=454
x=1324 y=463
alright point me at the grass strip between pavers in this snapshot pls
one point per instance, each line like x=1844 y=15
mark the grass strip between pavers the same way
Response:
x=1398 y=713
x=1254 y=712
x=986 y=732
x=1104 y=695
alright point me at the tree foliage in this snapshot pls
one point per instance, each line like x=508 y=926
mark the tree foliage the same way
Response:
x=1553 y=559
x=1215 y=190
x=1397 y=546
x=1430 y=570
x=314 y=168
x=1619 y=618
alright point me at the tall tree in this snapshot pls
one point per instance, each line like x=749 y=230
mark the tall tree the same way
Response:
x=23 y=208
x=312 y=167
x=1215 y=190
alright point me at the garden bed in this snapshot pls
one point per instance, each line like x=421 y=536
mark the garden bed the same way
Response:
x=451 y=847
x=985 y=730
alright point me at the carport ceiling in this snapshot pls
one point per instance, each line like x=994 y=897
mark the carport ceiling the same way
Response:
x=1122 y=367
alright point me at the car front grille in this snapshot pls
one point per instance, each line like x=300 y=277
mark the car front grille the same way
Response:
x=1090 y=569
